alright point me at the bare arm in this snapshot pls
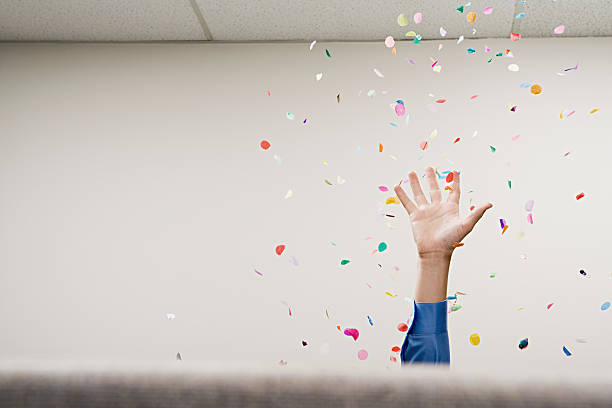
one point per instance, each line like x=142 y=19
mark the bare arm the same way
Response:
x=437 y=228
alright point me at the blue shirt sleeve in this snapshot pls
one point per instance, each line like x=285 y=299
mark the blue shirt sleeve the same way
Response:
x=427 y=336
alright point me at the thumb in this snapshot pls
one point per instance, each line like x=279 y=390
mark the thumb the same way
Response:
x=471 y=219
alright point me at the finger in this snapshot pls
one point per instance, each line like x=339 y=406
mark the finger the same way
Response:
x=455 y=193
x=406 y=201
x=419 y=197
x=474 y=216
x=434 y=189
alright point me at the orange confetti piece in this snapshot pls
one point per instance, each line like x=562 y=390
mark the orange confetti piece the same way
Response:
x=471 y=17
x=536 y=89
x=338 y=328
x=449 y=188
x=458 y=244
x=504 y=230
x=380 y=147
x=394 y=51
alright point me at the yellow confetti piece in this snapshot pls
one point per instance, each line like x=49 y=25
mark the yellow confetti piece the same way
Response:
x=289 y=194
x=324 y=162
x=411 y=34
x=390 y=294
x=393 y=200
x=393 y=157
x=474 y=339
x=327 y=181
x=338 y=97
x=401 y=20
x=434 y=133
x=594 y=110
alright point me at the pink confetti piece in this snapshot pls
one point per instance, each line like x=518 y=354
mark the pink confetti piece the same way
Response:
x=488 y=10
x=487 y=49
x=418 y=17
x=570 y=114
x=549 y=306
x=441 y=101
x=400 y=109
x=529 y=205
x=530 y=218
x=354 y=333
x=389 y=42
x=383 y=188
x=515 y=138
x=286 y=304
x=423 y=145
x=474 y=97
x=362 y=354
x=559 y=29
x=412 y=61
x=515 y=36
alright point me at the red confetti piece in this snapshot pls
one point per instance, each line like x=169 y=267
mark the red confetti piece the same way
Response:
x=268 y=93
x=402 y=327
x=450 y=177
x=423 y=145
x=474 y=96
x=395 y=349
x=449 y=188
x=280 y=249
x=472 y=208
x=515 y=36
x=393 y=359
x=380 y=147
x=549 y=306
x=457 y=139
x=265 y=144
x=566 y=154
x=441 y=101
x=579 y=196
x=458 y=244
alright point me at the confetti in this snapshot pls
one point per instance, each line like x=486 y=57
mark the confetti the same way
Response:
x=388 y=293
x=354 y=333
x=362 y=354
x=566 y=351
x=179 y=357
x=418 y=17
x=403 y=327
x=279 y=249
x=536 y=89
x=257 y=272
x=594 y=110
x=304 y=343
x=513 y=68
x=382 y=246
x=473 y=97
x=338 y=98
x=471 y=17
x=265 y=144
x=440 y=100
x=458 y=244
x=492 y=149
x=380 y=147
x=471 y=50
x=583 y=273
x=319 y=76
x=459 y=9
x=290 y=116
x=492 y=275
x=370 y=320
x=474 y=339
x=515 y=138
x=395 y=349
x=549 y=306
x=344 y=261
x=312 y=44
x=605 y=305
x=559 y=29
x=327 y=52
x=328 y=182
x=170 y=316
x=378 y=73
x=515 y=36
x=389 y=42
x=442 y=32
x=530 y=218
x=423 y=145
x=510 y=184
x=393 y=200
x=286 y=304
x=504 y=229
x=488 y=10
x=454 y=308
x=383 y=188
x=523 y=343
x=460 y=39
x=449 y=177
x=402 y=21
x=456 y=140
x=400 y=109
x=289 y=194
x=579 y=196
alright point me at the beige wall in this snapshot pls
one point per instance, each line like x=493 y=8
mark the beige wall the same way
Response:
x=132 y=185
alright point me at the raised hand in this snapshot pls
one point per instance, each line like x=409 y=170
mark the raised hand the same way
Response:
x=437 y=227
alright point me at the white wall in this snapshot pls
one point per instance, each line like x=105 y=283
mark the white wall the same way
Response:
x=132 y=185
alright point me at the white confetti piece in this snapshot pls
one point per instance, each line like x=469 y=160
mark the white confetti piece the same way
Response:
x=378 y=73
x=312 y=44
x=170 y=316
x=289 y=194
x=513 y=68
x=319 y=76
x=442 y=32
x=460 y=40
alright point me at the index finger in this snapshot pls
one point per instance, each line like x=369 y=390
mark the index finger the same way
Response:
x=406 y=201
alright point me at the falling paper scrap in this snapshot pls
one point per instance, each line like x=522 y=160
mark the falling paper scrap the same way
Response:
x=354 y=333
x=474 y=339
x=179 y=357
x=170 y=316
x=566 y=351
x=523 y=343
x=362 y=354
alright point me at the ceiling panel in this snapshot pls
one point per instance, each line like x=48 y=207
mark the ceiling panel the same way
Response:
x=98 y=20
x=238 y=20
x=580 y=18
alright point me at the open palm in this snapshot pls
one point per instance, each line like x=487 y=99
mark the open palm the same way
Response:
x=437 y=227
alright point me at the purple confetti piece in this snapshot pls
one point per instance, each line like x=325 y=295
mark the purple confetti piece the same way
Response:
x=529 y=205
x=502 y=222
x=257 y=272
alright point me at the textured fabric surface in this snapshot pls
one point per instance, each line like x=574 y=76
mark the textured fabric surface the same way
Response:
x=147 y=389
x=427 y=335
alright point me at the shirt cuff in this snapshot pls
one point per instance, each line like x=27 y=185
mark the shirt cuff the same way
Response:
x=429 y=318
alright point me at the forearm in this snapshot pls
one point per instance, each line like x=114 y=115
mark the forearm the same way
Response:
x=432 y=278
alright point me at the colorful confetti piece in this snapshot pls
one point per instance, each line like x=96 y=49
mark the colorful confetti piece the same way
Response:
x=471 y=17
x=403 y=327
x=279 y=249
x=362 y=354
x=474 y=339
x=515 y=36
x=389 y=42
x=523 y=343
x=458 y=244
x=418 y=17
x=344 y=261
x=354 y=333
x=605 y=305
x=566 y=351
x=402 y=21
x=488 y=10
x=265 y=144
x=395 y=349
x=559 y=29
x=327 y=52
x=579 y=196
x=536 y=89
x=382 y=247
x=370 y=320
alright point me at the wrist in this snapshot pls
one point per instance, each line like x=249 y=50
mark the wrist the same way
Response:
x=441 y=256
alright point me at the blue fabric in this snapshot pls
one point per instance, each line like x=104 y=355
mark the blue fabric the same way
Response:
x=427 y=336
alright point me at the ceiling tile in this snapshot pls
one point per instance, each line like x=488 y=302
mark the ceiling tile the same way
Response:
x=239 y=20
x=98 y=20
x=580 y=18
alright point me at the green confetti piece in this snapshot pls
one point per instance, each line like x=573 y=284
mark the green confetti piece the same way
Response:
x=344 y=261
x=509 y=183
x=491 y=275
x=371 y=93
x=492 y=149
x=382 y=246
x=499 y=54
x=460 y=9
x=454 y=308
x=490 y=59
x=416 y=41
x=333 y=243
x=327 y=52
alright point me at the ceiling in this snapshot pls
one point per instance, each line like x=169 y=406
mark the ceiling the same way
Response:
x=293 y=20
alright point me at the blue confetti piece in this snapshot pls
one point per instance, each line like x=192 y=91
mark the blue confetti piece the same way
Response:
x=471 y=50
x=452 y=297
x=370 y=320
x=566 y=351
x=358 y=149
x=399 y=101
x=407 y=117
x=393 y=124
x=525 y=85
x=519 y=15
x=605 y=305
